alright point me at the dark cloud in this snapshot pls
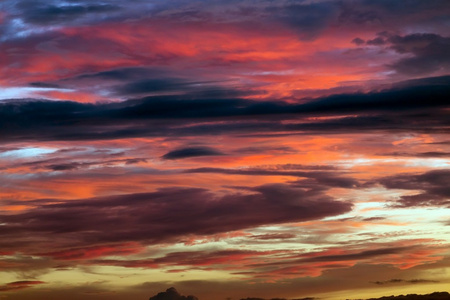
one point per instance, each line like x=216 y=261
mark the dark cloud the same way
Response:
x=431 y=53
x=164 y=215
x=358 y=41
x=420 y=108
x=389 y=14
x=351 y=14
x=44 y=85
x=429 y=154
x=79 y=165
x=61 y=164
x=414 y=281
x=408 y=6
x=44 y=14
x=373 y=219
x=123 y=74
x=428 y=52
x=191 y=152
x=172 y=294
x=155 y=86
x=308 y=19
x=18 y=285
x=432 y=186
x=141 y=81
x=274 y=236
x=376 y=42
x=356 y=256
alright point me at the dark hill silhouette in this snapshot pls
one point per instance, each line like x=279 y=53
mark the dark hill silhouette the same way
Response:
x=172 y=294
x=432 y=296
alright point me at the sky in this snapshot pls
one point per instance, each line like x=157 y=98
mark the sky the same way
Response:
x=229 y=149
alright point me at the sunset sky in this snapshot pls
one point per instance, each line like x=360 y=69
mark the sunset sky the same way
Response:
x=227 y=148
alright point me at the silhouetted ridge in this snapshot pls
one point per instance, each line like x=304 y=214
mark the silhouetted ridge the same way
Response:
x=172 y=294
x=432 y=296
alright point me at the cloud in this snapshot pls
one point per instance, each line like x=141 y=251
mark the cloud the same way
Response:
x=18 y=285
x=266 y=149
x=308 y=19
x=432 y=186
x=285 y=263
x=178 y=115
x=191 y=152
x=41 y=13
x=431 y=53
x=193 y=259
x=418 y=154
x=428 y=52
x=356 y=256
x=315 y=179
x=61 y=164
x=358 y=41
x=171 y=85
x=94 y=252
x=413 y=281
x=167 y=215
x=274 y=236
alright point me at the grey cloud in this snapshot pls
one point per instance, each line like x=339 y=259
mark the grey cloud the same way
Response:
x=432 y=186
x=191 y=152
x=309 y=19
x=420 y=107
x=413 y=281
x=45 y=14
x=429 y=52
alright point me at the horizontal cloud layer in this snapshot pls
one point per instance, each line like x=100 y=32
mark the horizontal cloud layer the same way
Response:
x=163 y=216
x=417 y=106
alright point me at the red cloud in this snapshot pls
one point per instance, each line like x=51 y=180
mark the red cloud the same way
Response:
x=17 y=285
x=95 y=251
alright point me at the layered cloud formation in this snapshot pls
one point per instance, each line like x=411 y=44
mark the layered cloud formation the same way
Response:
x=277 y=149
